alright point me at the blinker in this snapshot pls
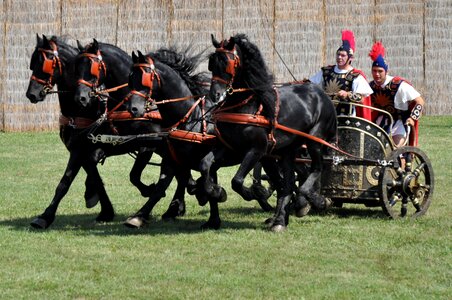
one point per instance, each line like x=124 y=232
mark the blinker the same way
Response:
x=146 y=79
x=95 y=67
x=48 y=66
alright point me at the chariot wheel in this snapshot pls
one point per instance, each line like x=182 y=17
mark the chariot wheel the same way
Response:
x=406 y=183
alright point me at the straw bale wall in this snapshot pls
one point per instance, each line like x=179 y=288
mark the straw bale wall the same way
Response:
x=305 y=34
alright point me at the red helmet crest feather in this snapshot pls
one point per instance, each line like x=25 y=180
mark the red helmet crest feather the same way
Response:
x=377 y=50
x=347 y=35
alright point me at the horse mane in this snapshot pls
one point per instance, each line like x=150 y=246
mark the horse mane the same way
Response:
x=185 y=64
x=255 y=72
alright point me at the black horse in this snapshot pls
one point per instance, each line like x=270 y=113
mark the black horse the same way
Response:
x=297 y=113
x=166 y=78
x=53 y=63
x=105 y=64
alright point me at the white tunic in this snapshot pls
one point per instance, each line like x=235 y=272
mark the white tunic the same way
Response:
x=404 y=95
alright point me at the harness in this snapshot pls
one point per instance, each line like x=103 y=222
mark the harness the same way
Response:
x=49 y=66
x=97 y=65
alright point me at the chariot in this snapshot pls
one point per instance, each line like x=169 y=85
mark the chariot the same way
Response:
x=376 y=173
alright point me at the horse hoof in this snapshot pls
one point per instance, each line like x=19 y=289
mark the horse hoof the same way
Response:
x=135 y=222
x=269 y=221
x=39 y=223
x=328 y=203
x=223 y=196
x=303 y=211
x=278 y=228
x=211 y=225
x=92 y=201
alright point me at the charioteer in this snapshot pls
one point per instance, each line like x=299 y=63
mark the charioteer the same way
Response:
x=343 y=82
x=397 y=96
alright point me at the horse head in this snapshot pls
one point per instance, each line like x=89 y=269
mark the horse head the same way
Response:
x=143 y=79
x=167 y=79
x=47 y=69
x=225 y=65
x=90 y=72
x=239 y=71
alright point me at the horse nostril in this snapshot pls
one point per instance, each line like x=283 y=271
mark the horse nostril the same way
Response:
x=83 y=101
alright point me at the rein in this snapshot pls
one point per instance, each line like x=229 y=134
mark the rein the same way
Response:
x=222 y=115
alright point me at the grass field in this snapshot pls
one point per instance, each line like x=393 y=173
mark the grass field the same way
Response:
x=349 y=253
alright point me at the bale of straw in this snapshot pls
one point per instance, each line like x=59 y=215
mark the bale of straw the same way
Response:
x=246 y=17
x=354 y=15
x=438 y=62
x=399 y=25
x=299 y=38
x=87 y=19
x=143 y=25
x=2 y=74
x=23 y=19
x=192 y=22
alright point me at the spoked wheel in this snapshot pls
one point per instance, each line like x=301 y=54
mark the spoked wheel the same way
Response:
x=406 y=183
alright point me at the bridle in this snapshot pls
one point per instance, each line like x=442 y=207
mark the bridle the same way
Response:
x=49 y=66
x=147 y=80
x=233 y=63
x=97 y=65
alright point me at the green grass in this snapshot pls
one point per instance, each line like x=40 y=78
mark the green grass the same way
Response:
x=349 y=253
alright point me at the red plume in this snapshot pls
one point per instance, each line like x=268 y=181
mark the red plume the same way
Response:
x=377 y=50
x=347 y=35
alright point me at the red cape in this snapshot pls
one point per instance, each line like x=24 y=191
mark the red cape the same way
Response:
x=364 y=112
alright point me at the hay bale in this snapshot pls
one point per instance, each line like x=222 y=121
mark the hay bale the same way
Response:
x=192 y=23
x=438 y=63
x=87 y=19
x=354 y=15
x=299 y=38
x=142 y=25
x=245 y=17
x=23 y=19
x=2 y=74
x=399 y=25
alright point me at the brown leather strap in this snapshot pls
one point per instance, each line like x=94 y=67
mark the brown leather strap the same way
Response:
x=193 y=137
x=76 y=122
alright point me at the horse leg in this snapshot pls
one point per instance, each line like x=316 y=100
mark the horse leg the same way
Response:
x=261 y=193
x=301 y=205
x=281 y=216
x=73 y=166
x=140 y=218
x=211 y=190
x=177 y=205
x=107 y=212
x=143 y=157
x=214 y=221
x=237 y=182
x=91 y=195
x=310 y=189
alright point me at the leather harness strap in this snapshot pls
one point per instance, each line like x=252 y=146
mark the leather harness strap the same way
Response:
x=77 y=122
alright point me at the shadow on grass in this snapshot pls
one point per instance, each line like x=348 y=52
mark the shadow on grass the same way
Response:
x=85 y=224
x=354 y=212
x=232 y=218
